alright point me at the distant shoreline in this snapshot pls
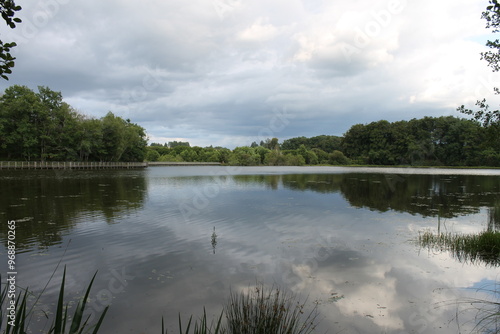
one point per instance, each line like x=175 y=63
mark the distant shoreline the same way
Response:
x=30 y=165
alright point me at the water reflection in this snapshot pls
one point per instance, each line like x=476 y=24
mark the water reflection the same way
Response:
x=339 y=237
x=47 y=204
x=214 y=240
x=445 y=196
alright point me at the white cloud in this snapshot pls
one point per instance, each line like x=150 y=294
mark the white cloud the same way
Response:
x=230 y=63
x=260 y=31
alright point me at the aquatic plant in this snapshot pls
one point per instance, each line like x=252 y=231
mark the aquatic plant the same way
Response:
x=485 y=305
x=265 y=311
x=468 y=248
x=62 y=321
x=483 y=248
x=260 y=311
x=201 y=327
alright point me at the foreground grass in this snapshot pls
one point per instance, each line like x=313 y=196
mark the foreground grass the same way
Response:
x=260 y=311
x=17 y=322
x=468 y=248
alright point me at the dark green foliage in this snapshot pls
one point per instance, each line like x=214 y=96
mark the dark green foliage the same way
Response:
x=174 y=143
x=8 y=9
x=430 y=141
x=152 y=155
x=41 y=127
x=324 y=143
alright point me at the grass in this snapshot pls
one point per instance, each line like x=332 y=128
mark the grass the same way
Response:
x=201 y=327
x=268 y=311
x=260 y=311
x=487 y=310
x=62 y=322
x=478 y=248
x=468 y=248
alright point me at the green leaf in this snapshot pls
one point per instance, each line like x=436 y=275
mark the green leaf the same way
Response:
x=96 y=329
x=59 y=312
x=77 y=318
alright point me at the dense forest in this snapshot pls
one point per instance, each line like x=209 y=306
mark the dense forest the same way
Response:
x=430 y=141
x=39 y=126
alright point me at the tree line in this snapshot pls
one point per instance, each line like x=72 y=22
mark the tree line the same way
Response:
x=429 y=141
x=40 y=126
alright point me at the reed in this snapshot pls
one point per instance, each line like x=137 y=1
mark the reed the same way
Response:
x=268 y=311
x=63 y=323
x=201 y=327
x=261 y=311
x=469 y=248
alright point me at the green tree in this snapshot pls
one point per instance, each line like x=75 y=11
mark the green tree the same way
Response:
x=88 y=138
x=8 y=9
x=175 y=143
x=276 y=158
x=294 y=143
x=41 y=126
x=136 y=142
x=244 y=156
x=19 y=115
x=490 y=119
x=271 y=144
x=152 y=155
x=338 y=158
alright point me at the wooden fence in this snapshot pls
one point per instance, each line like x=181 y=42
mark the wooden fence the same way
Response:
x=69 y=165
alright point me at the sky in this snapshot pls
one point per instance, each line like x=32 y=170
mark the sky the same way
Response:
x=231 y=72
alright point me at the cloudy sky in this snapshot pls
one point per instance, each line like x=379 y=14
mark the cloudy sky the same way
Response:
x=230 y=72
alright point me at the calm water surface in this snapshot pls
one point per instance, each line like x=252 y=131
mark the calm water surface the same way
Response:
x=344 y=238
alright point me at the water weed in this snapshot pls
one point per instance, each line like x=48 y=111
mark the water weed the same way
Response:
x=483 y=247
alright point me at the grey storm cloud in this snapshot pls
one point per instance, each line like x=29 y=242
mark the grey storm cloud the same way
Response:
x=218 y=72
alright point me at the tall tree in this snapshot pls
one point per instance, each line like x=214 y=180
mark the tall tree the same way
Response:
x=19 y=115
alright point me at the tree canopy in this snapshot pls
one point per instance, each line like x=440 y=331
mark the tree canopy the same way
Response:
x=41 y=126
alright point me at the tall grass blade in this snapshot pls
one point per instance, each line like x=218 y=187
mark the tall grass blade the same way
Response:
x=99 y=322
x=58 y=326
x=77 y=318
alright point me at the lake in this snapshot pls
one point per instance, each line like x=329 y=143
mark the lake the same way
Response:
x=170 y=240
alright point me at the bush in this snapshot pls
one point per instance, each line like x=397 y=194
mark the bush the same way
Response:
x=152 y=155
x=338 y=158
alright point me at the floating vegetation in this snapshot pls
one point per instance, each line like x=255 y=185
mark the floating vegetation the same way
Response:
x=483 y=247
